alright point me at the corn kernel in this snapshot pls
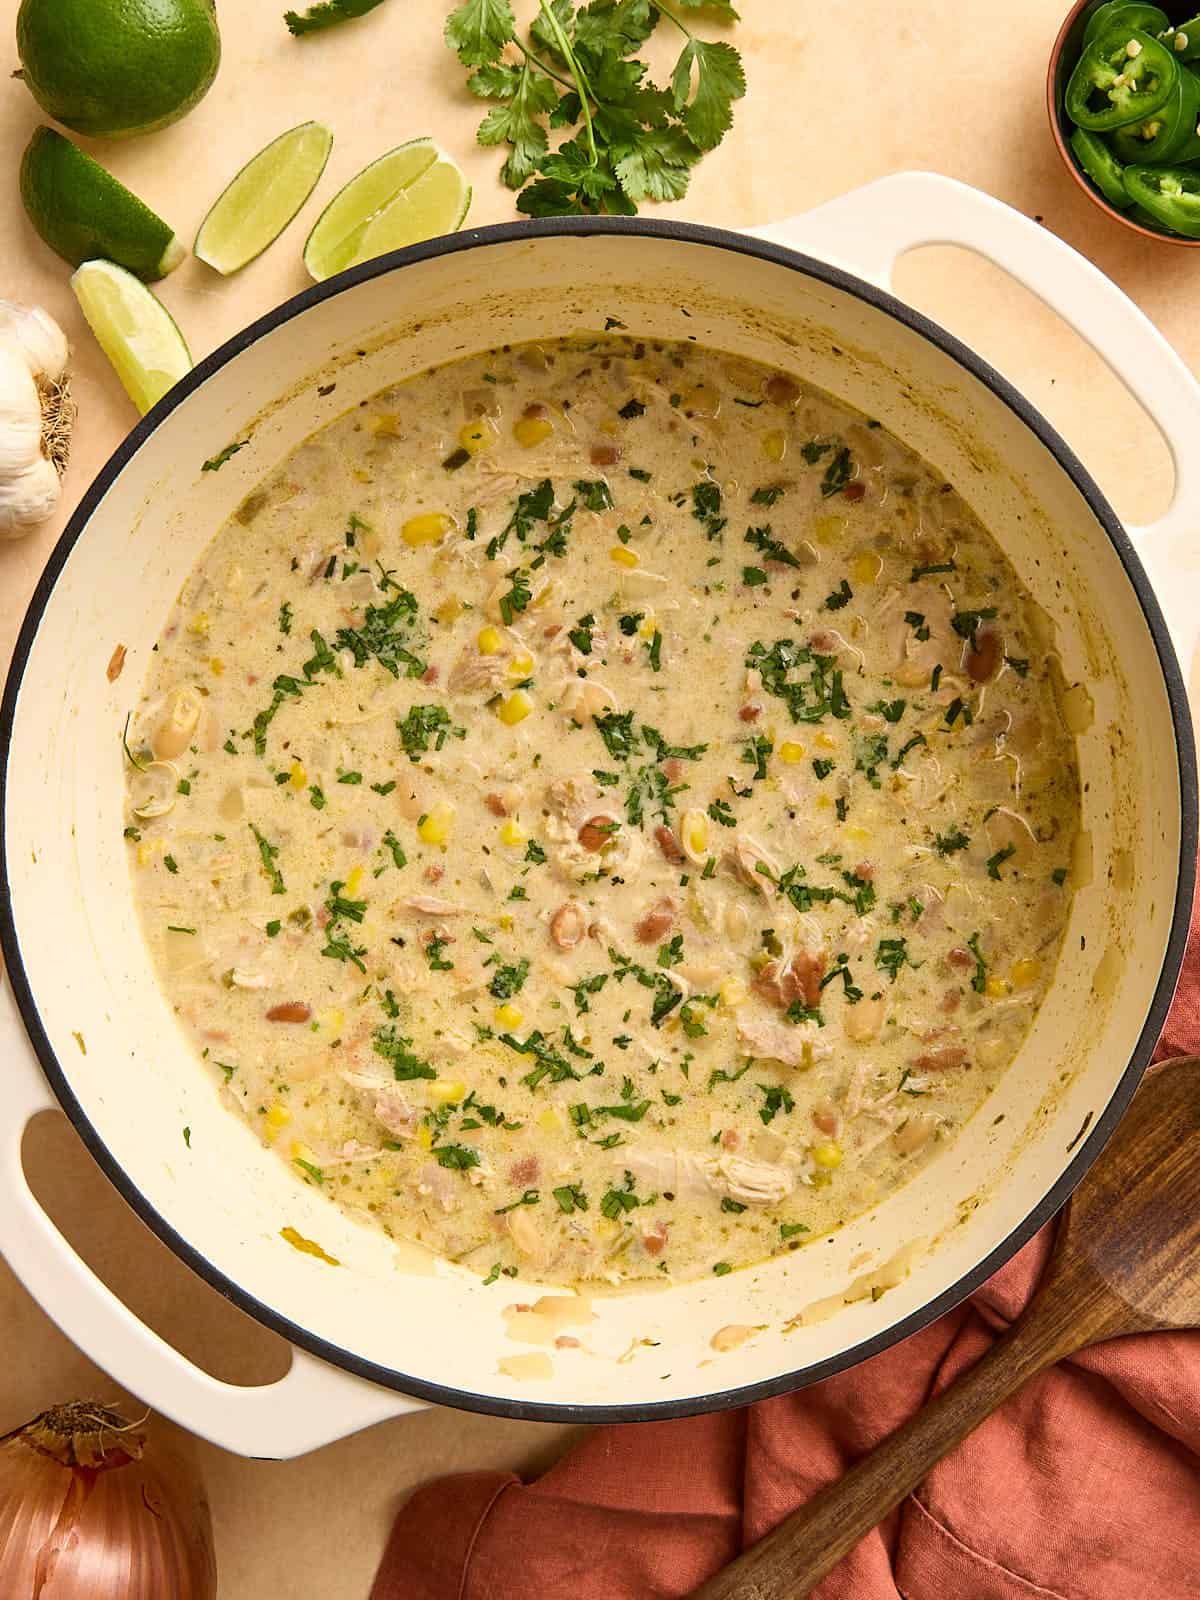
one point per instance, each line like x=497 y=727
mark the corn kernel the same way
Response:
x=386 y=423
x=1025 y=972
x=278 y=1116
x=624 y=556
x=996 y=988
x=695 y=833
x=430 y=527
x=866 y=567
x=648 y=626
x=216 y=666
x=543 y=596
x=829 y=529
x=825 y=741
x=434 y=826
x=331 y=1020
x=354 y=883
x=512 y=833
x=198 y=626
x=360 y=475
x=823 y=803
x=446 y=1091
x=828 y=1155
x=297 y=777
x=425 y=1137
x=304 y=1152
x=476 y=436
x=448 y=611
x=505 y=921
x=790 y=752
x=856 y=835
x=774 y=445
x=508 y=1015
x=489 y=641
x=733 y=992
x=145 y=850
x=514 y=708
x=521 y=665
x=551 y=1120
x=528 y=431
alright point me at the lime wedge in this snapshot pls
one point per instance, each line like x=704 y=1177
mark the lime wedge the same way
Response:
x=414 y=192
x=264 y=197
x=82 y=211
x=134 y=329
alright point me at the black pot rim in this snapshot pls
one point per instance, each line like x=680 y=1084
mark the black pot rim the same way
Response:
x=1087 y=1144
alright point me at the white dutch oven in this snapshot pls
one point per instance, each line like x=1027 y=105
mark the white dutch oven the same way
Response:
x=79 y=969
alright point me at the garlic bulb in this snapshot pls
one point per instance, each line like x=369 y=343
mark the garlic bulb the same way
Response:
x=35 y=417
x=87 y=1509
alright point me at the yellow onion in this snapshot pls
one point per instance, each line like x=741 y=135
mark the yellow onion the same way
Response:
x=87 y=1509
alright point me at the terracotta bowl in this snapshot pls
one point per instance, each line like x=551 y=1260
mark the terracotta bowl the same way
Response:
x=1063 y=57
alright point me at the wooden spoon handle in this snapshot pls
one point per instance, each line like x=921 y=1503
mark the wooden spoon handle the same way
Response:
x=792 y=1559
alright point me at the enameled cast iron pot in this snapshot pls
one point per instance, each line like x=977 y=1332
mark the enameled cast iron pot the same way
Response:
x=375 y=1336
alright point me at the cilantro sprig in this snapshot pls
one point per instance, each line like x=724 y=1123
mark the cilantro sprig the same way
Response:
x=630 y=140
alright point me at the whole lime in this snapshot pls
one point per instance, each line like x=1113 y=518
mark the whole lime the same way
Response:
x=118 y=66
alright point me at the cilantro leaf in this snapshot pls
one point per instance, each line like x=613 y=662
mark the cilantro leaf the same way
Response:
x=326 y=15
x=478 y=30
x=705 y=104
x=528 y=96
x=659 y=167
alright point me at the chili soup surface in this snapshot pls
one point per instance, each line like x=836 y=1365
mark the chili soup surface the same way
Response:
x=603 y=810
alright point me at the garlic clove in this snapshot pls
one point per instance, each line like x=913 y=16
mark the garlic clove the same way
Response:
x=27 y=498
x=40 y=339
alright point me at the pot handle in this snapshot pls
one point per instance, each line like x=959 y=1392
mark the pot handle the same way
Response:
x=312 y=1405
x=869 y=229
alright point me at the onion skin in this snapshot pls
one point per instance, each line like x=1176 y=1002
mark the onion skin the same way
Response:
x=89 y=1510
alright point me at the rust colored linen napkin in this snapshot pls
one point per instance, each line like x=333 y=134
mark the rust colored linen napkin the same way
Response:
x=1085 y=1486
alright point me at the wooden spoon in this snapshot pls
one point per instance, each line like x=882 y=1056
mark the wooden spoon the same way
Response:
x=1126 y=1260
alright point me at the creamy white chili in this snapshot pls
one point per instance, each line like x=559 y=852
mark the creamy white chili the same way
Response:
x=603 y=810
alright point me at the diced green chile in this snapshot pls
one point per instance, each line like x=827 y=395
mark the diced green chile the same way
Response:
x=1169 y=137
x=1097 y=161
x=1170 y=194
x=1110 y=88
x=1118 y=14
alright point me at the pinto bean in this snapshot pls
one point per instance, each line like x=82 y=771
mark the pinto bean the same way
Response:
x=568 y=925
x=525 y=1171
x=826 y=1120
x=495 y=804
x=961 y=958
x=290 y=1011
x=654 y=1243
x=854 y=492
x=431 y=675
x=669 y=845
x=596 y=832
x=730 y=1139
x=656 y=923
x=983 y=660
x=673 y=767
x=749 y=712
x=949 y=1056
x=823 y=642
x=605 y=455
x=799 y=979
x=781 y=391
x=435 y=873
x=951 y=1001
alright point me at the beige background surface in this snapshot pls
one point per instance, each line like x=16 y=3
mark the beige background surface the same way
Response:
x=840 y=93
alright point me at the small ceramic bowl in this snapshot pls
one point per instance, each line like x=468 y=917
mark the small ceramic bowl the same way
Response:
x=1063 y=57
